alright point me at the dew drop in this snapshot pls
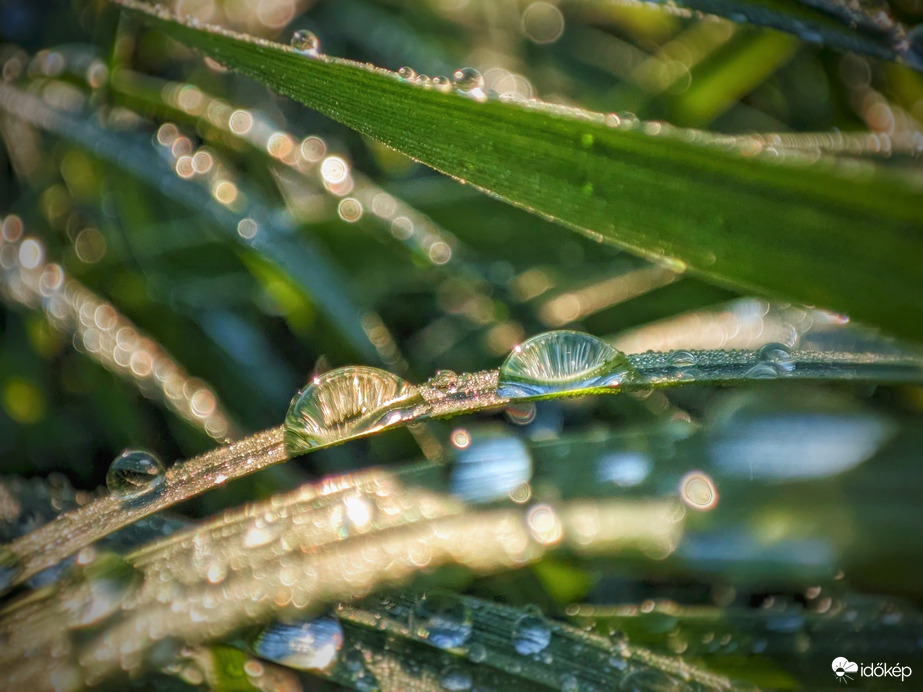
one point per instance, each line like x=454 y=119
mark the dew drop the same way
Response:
x=444 y=379
x=455 y=679
x=647 y=681
x=133 y=474
x=562 y=362
x=306 y=42
x=682 y=359
x=308 y=645
x=531 y=634
x=778 y=356
x=442 y=83
x=408 y=74
x=468 y=79
x=442 y=619
x=345 y=403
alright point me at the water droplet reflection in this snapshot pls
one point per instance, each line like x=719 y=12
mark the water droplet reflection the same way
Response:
x=443 y=619
x=345 y=403
x=562 y=362
x=133 y=474
x=531 y=634
x=306 y=42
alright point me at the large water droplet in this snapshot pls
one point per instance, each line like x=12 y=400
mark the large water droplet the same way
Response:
x=468 y=79
x=407 y=73
x=477 y=653
x=777 y=356
x=345 y=403
x=531 y=634
x=442 y=83
x=133 y=474
x=306 y=42
x=455 y=679
x=96 y=591
x=309 y=645
x=562 y=362
x=442 y=619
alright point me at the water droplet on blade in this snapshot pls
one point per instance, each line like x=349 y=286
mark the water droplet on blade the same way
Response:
x=306 y=42
x=133 y=474
x=531 y=634
x=309 y=645
x=345 y=403
x=777 y=356
x=468 y=79
x=562 y=362
x=442 y=619
x=407 y=73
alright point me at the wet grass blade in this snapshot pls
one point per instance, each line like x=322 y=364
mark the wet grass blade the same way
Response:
x=842 y=235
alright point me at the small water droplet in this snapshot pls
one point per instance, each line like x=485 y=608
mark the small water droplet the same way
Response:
x=444 y=379
x=306 y=42
x=569 y=683
x=477 y=653
x=133 y=474
x=408 y=74
x=307 y=645
x=562 y=362
x=531 y=634
x=345 y=403
x=423 y=81
x=442 y=83
x=442 y=619
x=468 y=79
x=455 y=679
x=778 y=356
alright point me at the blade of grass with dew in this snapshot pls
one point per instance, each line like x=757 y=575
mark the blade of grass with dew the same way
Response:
x=761 y=225
x=470 y=393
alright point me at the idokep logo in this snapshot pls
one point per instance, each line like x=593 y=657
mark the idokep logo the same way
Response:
x=845 y=670
x=842 y=668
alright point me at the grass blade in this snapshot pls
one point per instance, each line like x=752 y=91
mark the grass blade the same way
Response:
x=845 y=236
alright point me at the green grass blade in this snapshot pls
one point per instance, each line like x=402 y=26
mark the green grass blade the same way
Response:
x=845 y=236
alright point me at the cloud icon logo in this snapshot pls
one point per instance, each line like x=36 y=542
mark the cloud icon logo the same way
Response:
x=842 y=667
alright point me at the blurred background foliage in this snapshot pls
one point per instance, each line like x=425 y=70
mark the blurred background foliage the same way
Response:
x=150 y=217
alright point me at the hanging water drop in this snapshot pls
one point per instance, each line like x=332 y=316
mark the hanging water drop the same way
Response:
x=531 y=634
x=345 y=403
x=308 y=645
x=442 y=619
x=408 y=74
x=133 y=474
x=562 y=362
x=306 y=42
x=468 y=79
